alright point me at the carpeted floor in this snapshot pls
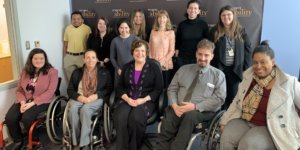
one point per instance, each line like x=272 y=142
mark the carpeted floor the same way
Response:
x=48 y=145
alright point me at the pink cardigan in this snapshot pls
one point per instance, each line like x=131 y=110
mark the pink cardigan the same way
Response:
x=44 y=89
x=162 y=47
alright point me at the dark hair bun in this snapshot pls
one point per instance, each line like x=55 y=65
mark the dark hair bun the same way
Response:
x=265 y=43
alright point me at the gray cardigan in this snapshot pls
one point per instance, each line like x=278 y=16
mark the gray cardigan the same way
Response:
x=120 y=51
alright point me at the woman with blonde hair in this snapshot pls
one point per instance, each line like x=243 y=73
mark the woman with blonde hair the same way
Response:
x=162 y=43
x=138 y=24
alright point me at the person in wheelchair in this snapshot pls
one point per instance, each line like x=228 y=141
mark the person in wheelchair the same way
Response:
x=139 y=87
x=34 y=93
x=195 y=93
x=88 y=87
x=263 y=114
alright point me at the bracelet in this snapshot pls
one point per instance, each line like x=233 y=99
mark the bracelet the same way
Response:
x=195 y=106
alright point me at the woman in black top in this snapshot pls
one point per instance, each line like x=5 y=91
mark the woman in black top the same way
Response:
x=232 y=54
x=189 y=33
x=100 y=42
x=138 y=90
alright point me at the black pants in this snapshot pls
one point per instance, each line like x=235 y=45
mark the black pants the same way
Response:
x=176 y=132
x=130 y=123
x=111 y=70
x=167 y=78
x=14 y=116
x=232 y=83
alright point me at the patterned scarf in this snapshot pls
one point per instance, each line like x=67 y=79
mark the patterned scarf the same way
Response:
x=89 y=82
x=252 y=100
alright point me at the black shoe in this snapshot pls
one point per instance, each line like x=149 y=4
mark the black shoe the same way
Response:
x=16 y=145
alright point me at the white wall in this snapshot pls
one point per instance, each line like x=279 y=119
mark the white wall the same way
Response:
x=44 y=21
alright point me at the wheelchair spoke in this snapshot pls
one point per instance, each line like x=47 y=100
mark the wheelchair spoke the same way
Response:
x=213 y=142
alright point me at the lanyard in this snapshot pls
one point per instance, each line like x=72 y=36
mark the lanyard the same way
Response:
x=229 y=43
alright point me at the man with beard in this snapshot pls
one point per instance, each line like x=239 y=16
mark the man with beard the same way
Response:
x=75 y=39
x=195 y=93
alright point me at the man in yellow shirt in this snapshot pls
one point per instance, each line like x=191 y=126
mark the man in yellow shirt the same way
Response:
x=75 y=38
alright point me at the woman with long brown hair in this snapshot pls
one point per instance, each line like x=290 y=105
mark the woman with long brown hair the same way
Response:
x=232 y=54
x=35 y=91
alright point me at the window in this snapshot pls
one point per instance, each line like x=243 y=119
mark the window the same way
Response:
x=10 y=59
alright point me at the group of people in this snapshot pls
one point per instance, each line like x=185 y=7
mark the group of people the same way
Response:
x=216 y=69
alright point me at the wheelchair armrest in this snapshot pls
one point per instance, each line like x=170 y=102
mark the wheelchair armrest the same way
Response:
x=111 y=99
x=162 y=102
x=57 y=91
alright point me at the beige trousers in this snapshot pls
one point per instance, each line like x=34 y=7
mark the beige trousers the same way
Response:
x=71 y=63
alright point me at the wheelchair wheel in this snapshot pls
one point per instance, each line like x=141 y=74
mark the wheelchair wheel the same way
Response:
x=109 y=131
x=213 y=142
x=54 y=119
x=96 y=135
x=67 y=137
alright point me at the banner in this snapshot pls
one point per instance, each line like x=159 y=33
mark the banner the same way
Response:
x=249 y=12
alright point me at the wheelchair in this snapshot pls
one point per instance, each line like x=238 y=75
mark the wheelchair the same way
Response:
x=54 y=119
x=97 y=136
x=50 y=118
x=110 y=131
x=208 y=131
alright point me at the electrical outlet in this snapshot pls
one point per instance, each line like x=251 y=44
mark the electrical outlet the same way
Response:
x=37 y=44
x=27 y=45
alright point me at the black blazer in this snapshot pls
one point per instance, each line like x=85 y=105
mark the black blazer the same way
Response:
x=104 y=85
x=242 y=58
x=150 y=81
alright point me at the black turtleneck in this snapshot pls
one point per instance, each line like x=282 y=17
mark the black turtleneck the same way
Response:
x=189 y=33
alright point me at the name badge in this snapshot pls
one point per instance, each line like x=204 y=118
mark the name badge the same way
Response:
x=231 y=52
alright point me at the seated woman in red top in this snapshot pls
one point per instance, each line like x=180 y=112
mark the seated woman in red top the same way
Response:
x=34 y=93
